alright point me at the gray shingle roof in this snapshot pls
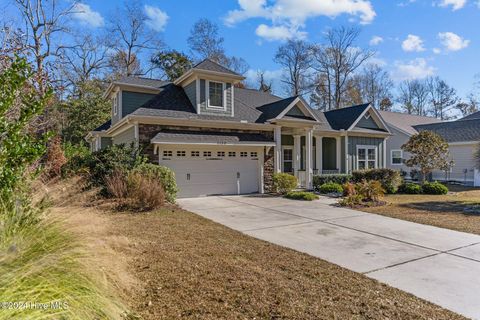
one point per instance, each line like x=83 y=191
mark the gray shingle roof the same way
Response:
x=475 y=115
x=141 y=81
x=105 y=126
x=343 y=118
x=185 y=136
x=404 y=121
x=455 y=131
x=210 y=65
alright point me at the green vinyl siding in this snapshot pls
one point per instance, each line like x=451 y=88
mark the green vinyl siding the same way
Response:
x=126 y=137
x=329 y=156
x=131 y=101
x=353 y=142
x=191 y=92
x=367 y=123
x=215 y=112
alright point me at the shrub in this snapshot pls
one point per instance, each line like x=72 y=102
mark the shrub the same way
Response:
x=163 y=174
x=331 y=187
x=55 y=159
x=349 y=189
x=351 y=201
x=301 y=195
x=410 y=188
x=117 y=185
x=325 y=178
x=144 y=192
x=284 y=183
x=390 y=179
x=434 y=188
x=370 y=190
x=103 y=163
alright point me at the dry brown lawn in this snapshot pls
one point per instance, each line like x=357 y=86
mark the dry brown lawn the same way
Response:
x=445 y=211
x=173 y=264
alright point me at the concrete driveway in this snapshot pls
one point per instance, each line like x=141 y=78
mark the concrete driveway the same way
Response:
x=438 y=265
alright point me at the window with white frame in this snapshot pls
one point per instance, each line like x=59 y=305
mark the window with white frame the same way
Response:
x=397 y=157
x=215 y=94
x=253 y=154
x=195 y=154
x=167 y=153
x=220 y=153
x=232 y=154
x=243 y=154
x=181 y=153
x=207 y=153
x=366 y=157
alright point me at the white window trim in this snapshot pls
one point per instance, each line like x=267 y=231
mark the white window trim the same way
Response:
x=391 y=157
x=366 y=154
x=224 y=96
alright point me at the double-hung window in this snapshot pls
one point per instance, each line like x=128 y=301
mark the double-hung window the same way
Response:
x=397 y=157
x=215 y=95
x=366 y=157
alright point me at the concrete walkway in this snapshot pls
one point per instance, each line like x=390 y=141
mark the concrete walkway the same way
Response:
x=438 y=265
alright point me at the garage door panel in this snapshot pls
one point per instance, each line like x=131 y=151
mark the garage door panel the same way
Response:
x=201 y=177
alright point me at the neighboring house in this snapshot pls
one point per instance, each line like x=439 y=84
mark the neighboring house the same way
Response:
x=221 y=139
x=401 y=126
x=463 y=137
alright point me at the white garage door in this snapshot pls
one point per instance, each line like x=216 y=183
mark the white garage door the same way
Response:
x=202 y=173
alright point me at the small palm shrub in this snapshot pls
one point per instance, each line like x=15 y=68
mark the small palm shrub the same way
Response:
x=301 y=195
x=351 y=201
x=434 y=188
x=283 y=183
x=410 y=188
x=370 y=190
x=330 y=187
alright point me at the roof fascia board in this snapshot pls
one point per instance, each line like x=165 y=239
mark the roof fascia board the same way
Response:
x=304 y=108
x=377 y=115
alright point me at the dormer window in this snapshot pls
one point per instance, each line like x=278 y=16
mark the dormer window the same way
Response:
x=216 y=95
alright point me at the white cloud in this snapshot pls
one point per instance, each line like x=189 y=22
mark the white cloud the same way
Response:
x=376 y=40
x=437 y=50
x=413 y=43
x=456 y=4
x=278 y=33
x=414 y=69
x=157 y=19
x=292 y=14
x=86 y=16
x=452 y=41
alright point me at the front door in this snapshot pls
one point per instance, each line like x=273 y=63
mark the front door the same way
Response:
x=287 y=159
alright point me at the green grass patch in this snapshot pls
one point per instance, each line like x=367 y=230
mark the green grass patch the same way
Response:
x=41 y=263
x=301 y=195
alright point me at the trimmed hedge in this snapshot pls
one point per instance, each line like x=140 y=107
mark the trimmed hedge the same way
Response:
x=301 y=195
x=284 y=183
x=331 y=187
x=434 y=188
x=389 y=178
x=319 y=180
x=410 y=188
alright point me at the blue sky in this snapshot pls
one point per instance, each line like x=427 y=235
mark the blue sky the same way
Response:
x=413 y=38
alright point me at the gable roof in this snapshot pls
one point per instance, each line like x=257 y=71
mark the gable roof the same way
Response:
x=104 y=126
x=272 y=110
x=475 y=115
x=405 y=122
x=455 y=131
x=209 y=65
x=342 y=119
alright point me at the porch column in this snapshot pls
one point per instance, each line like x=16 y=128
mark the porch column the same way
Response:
x=318 y=154
x=308 y=160
x=347 y=169
x=296 y=154
x=278 y=149
x=339 y=166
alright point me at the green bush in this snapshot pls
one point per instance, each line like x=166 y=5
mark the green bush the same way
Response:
x=325 y=178
x=370 y=190
x=165 y=175
x=284 y=183
x=331 y=187
x=389 y=178
x=352 y=201
x=434 y=188
x=410 y=188
x=103 y=163
x=301 y=195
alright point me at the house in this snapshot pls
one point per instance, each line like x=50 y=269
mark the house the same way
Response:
x=401 y=126
x=463 y=137
x=219 y=138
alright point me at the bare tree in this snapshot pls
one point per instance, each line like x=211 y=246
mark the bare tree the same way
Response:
x=295 y=57
x=205 y=42
x=414 y=97
x=83 y=61
x=43 y=20
x=468 y=107
x=375 y=85
x=130 y=38
x=337 y=60
x=442 y=97
x=263 y=85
